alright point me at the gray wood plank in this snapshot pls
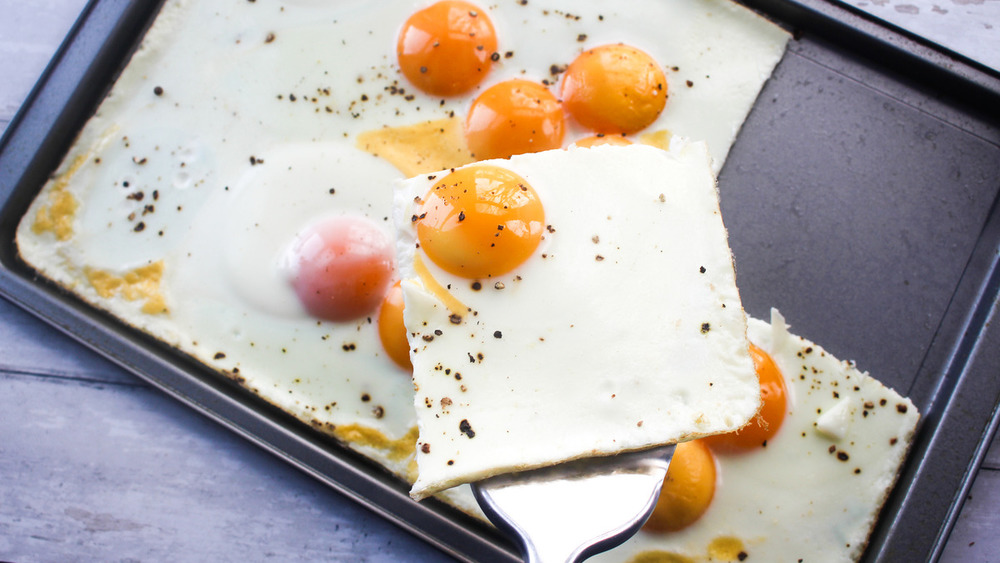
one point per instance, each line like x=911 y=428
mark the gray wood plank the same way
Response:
x=32 y=347
x=96 y=471
x=30 y=32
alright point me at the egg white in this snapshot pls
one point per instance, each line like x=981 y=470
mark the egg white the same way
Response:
x=798 y=498
x=225 y=131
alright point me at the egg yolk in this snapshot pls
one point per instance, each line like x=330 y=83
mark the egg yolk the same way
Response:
x=480 y=221
x=687 y=489
x=614 y=89
x=761 y=428
x=445 y=48
x=514 y=117
x=341 y=267
x=391 y=330
x=602 y=139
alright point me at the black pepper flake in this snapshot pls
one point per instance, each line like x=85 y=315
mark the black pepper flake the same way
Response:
x=139 y=161
x=158 y=91
x=425 y=447
x=365 y=398
x=882 y=402
x=495 y=57
x=599 y=258
x=219 y=355
x=437 y=332
x=348 y=347
x=378 y=411
x=497 y=334
x=499 y=286
x=476 y=286
x=269 y=38
x=461 y=215
x=689 y=83
x=857 y=470
x=451 y=462
x=742 y=556
x=508 y=54
x=428 y=337
x=455 y=319
x=582 y=37
x=466 y=428
x=832 y=449
x=139 y=227
x=892 y=441
x=901 y=408
x=842 y=456
x=702 y=269
x=705 y=327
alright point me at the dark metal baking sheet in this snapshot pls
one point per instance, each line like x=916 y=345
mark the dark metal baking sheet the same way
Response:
x=861 y=200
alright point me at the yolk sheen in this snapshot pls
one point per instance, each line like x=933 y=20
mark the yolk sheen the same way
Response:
x=514 y=117
x=391 y=330
x=614 y=89
x=687 y=490
x=480 y=221
x=600 y=139
x=765 y=425
x=445 y=48
x=342 y=267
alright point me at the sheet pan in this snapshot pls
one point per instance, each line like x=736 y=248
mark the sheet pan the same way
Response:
x=861 y=200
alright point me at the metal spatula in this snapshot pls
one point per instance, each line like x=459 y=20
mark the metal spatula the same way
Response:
x=571 y=511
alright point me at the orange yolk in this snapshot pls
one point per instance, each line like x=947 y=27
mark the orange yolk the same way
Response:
x=480 y=221
x=342 y=267
x=765 y=425
x=614 y=89
x=445 y=49
x=687 y=490
x=391 y=330
x=514 y=117
x=602 y=139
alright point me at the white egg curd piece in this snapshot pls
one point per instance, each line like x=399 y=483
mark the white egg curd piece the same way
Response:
x=811 y=491
x=567 y=304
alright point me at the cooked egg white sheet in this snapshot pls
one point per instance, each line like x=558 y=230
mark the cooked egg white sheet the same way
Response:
x=235 y=125
x=814 y=492
x=623 y=330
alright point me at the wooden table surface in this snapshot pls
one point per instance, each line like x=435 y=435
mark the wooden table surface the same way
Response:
x=97 y=465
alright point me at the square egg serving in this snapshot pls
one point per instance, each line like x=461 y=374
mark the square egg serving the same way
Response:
x=249 y=149
x=567 y=304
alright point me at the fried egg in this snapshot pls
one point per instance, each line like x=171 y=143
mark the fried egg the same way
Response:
x=566 y=304
x=232 y=161
x=805 y=482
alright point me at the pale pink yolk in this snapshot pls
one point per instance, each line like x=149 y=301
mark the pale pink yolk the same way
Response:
x=342 y=267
